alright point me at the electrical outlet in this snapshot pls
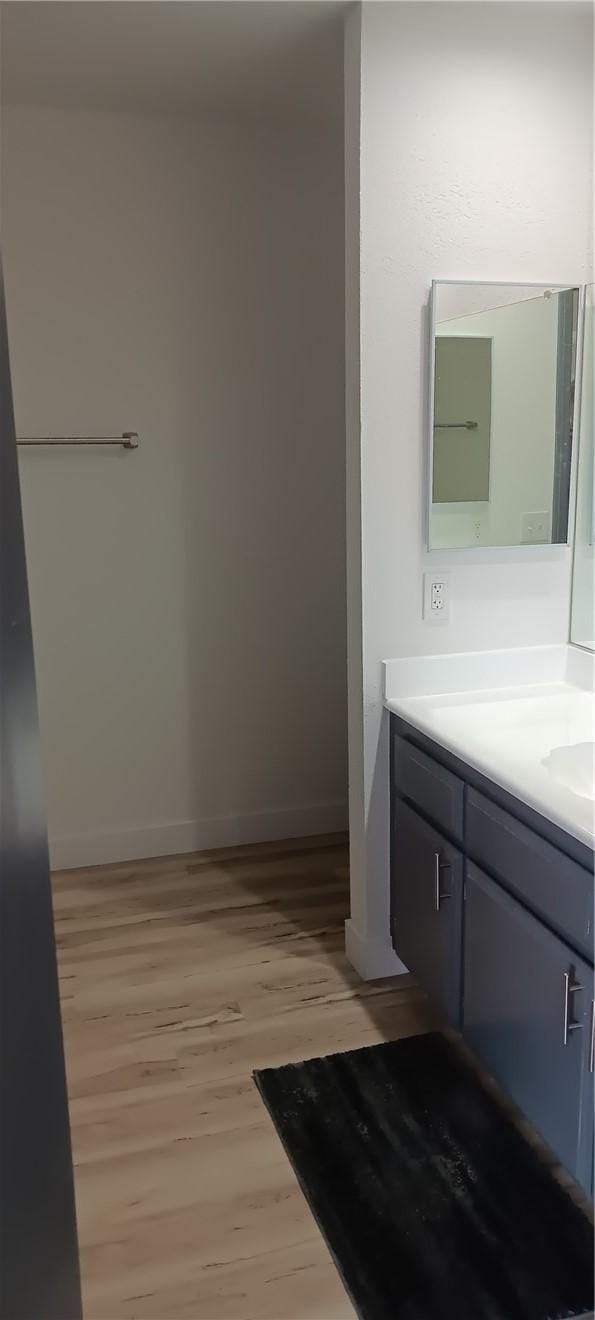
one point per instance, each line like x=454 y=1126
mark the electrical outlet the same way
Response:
x=436 y=597
x=535 y=528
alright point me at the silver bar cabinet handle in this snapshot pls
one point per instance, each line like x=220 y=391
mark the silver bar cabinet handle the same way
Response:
x=439 y=866
x=592 y=1041
x=569 y=989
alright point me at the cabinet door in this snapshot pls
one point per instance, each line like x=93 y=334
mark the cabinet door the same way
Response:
x=426 y=906
x=527 y=1014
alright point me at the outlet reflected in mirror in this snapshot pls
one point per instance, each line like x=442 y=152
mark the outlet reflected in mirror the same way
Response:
x=501 y=413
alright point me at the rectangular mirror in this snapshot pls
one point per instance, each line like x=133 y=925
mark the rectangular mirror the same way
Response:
x=503 y=374
x=582 y=627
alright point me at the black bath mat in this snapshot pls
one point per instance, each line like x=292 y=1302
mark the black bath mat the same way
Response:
x=434 y=1206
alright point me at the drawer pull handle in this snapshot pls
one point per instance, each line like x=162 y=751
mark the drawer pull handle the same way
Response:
x=569 y=989
x=592 y=1041
x=439 y=866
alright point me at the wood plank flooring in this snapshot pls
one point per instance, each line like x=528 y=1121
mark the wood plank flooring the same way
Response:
x=178 y=977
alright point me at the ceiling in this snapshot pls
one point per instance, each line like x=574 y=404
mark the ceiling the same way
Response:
x=256 y=57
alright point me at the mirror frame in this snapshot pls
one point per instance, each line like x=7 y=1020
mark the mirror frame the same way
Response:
x=528 y=548
x=576 y=446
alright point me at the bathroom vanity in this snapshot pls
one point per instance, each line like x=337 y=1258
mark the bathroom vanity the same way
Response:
x=491 y=819
x=492 y=753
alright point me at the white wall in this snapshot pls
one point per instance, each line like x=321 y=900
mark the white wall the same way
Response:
x=182 y=279
x=476 y=161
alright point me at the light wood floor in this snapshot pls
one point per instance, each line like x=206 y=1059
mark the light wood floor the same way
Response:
x=179 y=976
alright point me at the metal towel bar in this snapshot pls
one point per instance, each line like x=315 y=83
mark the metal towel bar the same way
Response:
x=456 y=426
x=128 y=440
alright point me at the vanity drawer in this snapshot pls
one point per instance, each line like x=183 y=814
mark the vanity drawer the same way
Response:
x=554 y=886
x=428 y=785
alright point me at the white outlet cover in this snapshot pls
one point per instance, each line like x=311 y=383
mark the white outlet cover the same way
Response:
x=535 y=528
x=437 y=578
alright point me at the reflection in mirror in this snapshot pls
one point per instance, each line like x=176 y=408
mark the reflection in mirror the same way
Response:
x=501 y=414
x=582 y=628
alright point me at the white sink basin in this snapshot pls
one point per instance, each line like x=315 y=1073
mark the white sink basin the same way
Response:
x=574 y=767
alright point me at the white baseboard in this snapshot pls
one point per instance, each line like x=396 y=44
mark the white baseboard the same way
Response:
x=182 y=836
x=372 y=959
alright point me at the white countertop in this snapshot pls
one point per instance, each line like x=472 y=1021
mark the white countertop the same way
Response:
x=535 y=739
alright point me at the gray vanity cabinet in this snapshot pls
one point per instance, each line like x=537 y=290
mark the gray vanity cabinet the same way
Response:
x=492 y=911
x=528 y=1015
x=426 y=915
